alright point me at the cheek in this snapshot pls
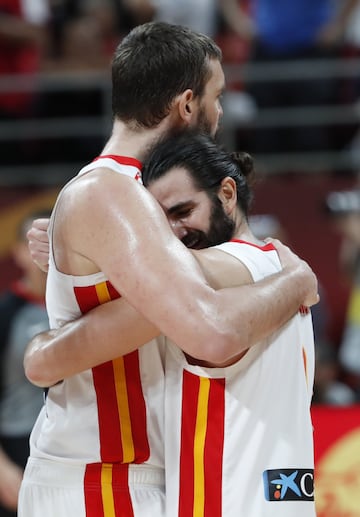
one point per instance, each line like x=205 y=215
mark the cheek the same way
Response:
x=201 y=220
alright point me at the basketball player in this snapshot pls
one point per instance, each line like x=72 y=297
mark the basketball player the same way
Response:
x=99 y=439
x=226 y=438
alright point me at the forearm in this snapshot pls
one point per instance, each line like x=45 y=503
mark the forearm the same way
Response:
x=99 y=336
x=253 y=312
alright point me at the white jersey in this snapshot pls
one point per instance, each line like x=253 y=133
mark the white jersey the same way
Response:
x=239 y=439
x=113 y=413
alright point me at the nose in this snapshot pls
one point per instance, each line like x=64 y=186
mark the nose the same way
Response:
x=221 y=111
x=178 y=228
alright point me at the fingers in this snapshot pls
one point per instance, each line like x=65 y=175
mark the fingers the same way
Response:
x=39 y=243
x=289 y=259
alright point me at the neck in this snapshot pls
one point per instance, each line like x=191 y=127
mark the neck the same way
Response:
x=242 y=230
x=134 y=142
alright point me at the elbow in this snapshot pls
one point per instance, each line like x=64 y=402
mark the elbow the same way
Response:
x=35 y=373
x=222 y=347
x=34 y=368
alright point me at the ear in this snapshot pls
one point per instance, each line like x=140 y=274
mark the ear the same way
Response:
x=186 y=106
x=228 y=194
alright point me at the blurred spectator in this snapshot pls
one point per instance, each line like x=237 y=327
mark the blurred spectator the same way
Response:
x=86 y=32
x=83 y=34
x=267 y=225
x=345 y=210
x=23 y=32
x=23 y=314
x=328 y=388
x=23 y=36
x=199 y=15
x=285 y=31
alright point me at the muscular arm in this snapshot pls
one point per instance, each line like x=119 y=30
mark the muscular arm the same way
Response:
x=121 y=230
x=108 y=331
x=120 y=329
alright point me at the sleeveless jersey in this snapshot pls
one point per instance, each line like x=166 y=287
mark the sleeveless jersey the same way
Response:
x=113 y=413
x=239 y=438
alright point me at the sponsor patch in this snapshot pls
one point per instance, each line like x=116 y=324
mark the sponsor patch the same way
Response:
x=289 y=485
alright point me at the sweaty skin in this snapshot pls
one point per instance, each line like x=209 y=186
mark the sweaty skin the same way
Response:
x=126 y=330
x=109 y=222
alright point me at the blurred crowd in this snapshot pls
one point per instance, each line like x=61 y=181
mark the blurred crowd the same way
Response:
x=67 y=36
x=60 y=36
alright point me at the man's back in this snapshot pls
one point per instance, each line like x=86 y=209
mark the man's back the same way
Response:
x=104 y=419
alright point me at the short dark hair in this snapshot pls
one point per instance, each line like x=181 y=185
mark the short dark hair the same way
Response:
x=153 y=64
x=207 y=163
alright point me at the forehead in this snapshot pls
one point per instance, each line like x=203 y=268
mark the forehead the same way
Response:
x=216 y=82
x=175 y=187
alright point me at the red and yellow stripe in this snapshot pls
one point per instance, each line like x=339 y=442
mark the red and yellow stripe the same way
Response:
x=120 y=400
x=122 y=422
x=106 y=491
x=202 y=442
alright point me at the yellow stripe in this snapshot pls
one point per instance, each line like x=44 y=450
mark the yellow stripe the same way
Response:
x=124 y=413
x=107 y=490
x=199 y=445
x=305 y=365
x=121 y=391
x=102 y=292
x=354 y=306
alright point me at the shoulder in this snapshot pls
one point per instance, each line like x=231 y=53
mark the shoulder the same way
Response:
x=222 y=269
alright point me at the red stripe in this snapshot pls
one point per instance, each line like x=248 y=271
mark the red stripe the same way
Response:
x=92 y=491
x=87 y=297
x=123 y=160
x=214 y=446
x=104 y=383
x=108 y=413
x=266 y=247
x=137 y=407
x=122 y=499
x=112 y=291
x=190 y=392
x=109 y=418
x=120 y=488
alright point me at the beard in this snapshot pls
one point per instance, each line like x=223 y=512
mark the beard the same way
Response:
x=204 y=125
x=221 y=229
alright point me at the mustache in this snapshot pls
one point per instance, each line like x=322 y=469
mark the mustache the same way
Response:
x=196 y=240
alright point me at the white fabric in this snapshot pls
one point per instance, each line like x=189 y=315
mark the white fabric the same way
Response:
x=267 y=410
x=67 y=431
x=48 y=481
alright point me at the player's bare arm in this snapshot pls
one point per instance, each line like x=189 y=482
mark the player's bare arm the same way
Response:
x=146 y=258
x=116 y=326
x=120 y=329
x=106 y=332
